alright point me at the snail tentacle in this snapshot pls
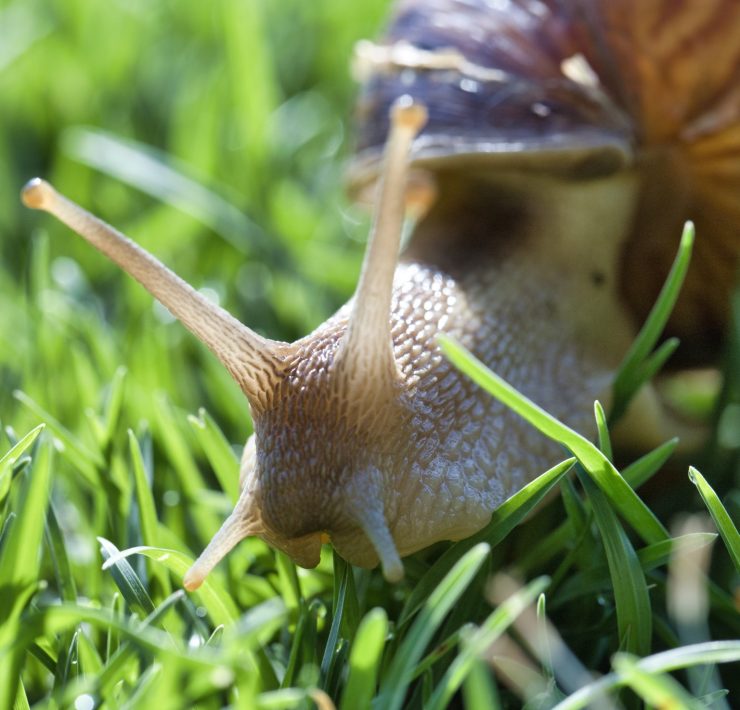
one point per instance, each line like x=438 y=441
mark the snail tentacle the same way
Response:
x=250 y=359
x=240 y=524
x=367 y=347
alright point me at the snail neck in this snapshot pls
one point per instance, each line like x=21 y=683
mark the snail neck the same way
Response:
x=536 y=260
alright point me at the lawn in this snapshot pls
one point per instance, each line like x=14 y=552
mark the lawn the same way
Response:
x=217 y=135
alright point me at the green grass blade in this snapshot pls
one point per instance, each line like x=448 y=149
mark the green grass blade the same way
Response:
x=481 y=640
x=330 y=651
x=598 y=466
x=543 y=637
x=5 y=530
x=660 y=553
x=116 y=666
x=640 y=471
x=90 y=661
x=56 y=619
x=250 y=633
x=126 y=579
x=665 y=662
x=212 y=594
x=9 y=459
x=144 y=498
x=180 y=453
x=218 y=451
x=479 y=689
x=364 y=660
x=13 y=458
x=631 y=596
x=19 y=565
x=154 y=173
x=656 y=689
x=605 y=443
x=86 y=459
x=21 y=699
x=283 y=699
x=113 y=405
x=19 y=559
x=43 y=657
x=395 y=683
x=654 y=364
x=596 y=580
x=297 y=646
x=721 y=517
x=290 y=586
x=632 y=374
x=59 y=558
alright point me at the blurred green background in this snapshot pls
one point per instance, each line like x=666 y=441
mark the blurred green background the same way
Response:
x=215 y=135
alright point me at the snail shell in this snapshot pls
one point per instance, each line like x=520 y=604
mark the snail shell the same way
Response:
x=586 y=87
x=547 y=125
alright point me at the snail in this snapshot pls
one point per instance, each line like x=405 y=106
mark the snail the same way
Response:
x=555 y=149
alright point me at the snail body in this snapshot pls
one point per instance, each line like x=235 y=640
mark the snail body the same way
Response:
x=364 y=433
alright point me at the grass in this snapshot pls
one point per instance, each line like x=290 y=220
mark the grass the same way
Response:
x=215 y=134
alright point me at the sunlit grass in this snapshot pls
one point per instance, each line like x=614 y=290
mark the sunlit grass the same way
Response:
x=231 y=118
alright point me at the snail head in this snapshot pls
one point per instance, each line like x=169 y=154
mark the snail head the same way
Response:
x=326 y=408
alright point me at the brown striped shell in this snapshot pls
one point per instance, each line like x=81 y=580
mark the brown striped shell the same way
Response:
x=584 y=87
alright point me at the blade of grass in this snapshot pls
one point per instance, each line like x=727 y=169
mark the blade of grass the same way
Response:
x=290 y=586
x=479 y=689
x=14 y=462
x=148 y=528
x=109 y=675
x=126 y=579
x=722 y=520
x=640 y=471
x=631 y=596
x=218 y=451
x=395 y=683
x=364 y=660
x=21 y=699
x=19 y=566
x=605 y=443
x=596 y=579
x=543 y=638
x=214 y=597
x=665 y=662
x=149 y=524
x=336 y=622
x=656 y=689
x=90 y=661
x=154 y=173
x=59 y=558
x=297 y=646
x=654 y=364
x=283 y=699
x=82 y=456
x=632 y=373
x=9 y=459
x=480 y=641
x=114 y=403
x=55 y=619
x=180 y=453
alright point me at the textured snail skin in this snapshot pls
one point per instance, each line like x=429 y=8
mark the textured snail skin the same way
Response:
x=440 y=455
